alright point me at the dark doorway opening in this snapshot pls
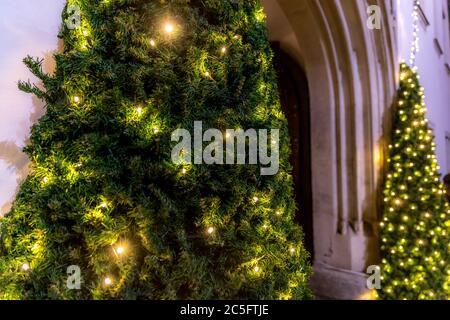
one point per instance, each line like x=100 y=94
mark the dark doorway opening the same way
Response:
x=294 y=95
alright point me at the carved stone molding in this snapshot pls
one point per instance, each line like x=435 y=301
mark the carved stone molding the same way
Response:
x=351 y=73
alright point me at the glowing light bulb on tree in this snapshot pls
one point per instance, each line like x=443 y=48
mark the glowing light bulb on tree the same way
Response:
x=120 y=250
x=169 y=28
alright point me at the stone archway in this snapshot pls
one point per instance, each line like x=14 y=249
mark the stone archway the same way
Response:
x=351 y=73
x=294 y=98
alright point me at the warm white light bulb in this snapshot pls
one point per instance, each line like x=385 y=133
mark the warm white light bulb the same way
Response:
x=45 y=180
x=169 y=28
x=152 y=43
x=210 y=230
x=76 y=99
x=224 y=49
x=120 y=250
x=103 y=205
x=183 y=171
x=256 y=268
x=108 y=281
x=25 y=266
x=139 y=110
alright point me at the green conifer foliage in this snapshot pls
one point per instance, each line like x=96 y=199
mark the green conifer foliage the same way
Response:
x=415 y=227
x=103 y=193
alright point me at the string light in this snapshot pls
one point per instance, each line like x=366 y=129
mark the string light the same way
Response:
x=76 y=99
x=119 y=250
x=256 y=269
x=152 y=42
x=169 y=28
x=415 y=47
x=407 y=164
x=25 y=267
x=211 y=230
x=107 y=281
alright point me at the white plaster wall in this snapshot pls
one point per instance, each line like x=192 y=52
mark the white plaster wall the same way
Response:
x=26 y=27
x=434 y=76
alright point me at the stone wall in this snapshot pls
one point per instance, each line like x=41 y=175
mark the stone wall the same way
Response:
x=352 y=74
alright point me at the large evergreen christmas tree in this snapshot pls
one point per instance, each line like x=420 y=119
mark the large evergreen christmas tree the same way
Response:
x=103 y=193
x=416 y=222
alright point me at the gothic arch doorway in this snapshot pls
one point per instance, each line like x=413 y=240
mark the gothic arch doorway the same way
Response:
x=294 y=96
x=351 y=77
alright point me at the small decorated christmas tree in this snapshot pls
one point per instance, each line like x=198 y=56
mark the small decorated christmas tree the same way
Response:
x=415 y=227
x=104 y=201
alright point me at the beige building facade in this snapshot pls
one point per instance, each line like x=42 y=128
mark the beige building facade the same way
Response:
x=352 y=73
